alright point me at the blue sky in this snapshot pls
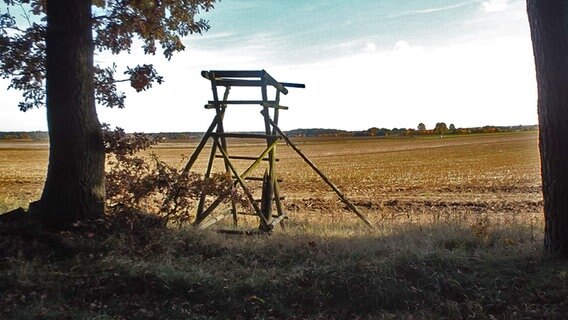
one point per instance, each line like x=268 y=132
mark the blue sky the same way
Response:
x=383 y=63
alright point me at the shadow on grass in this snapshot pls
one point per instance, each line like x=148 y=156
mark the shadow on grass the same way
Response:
x=404 y=272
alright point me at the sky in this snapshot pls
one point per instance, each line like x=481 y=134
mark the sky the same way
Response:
x=369 y=63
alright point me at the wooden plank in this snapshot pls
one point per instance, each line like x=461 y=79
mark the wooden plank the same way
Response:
x=244 y=158
x=244 y=135
x=233 y=73
x=213 y=105
x=244 y=187
x=266 y=201
x=213 y=151
x=212 y=220
x=278 y=202
x=200 y=146
x=275 y=106
x=322 y=176
x=271 y=81
x=258 y=160
x=222 y=197
x=228 y=82
x=293 y=85
x=278 y=219
x=240 y=102
x=259 y=179
x=220 y=128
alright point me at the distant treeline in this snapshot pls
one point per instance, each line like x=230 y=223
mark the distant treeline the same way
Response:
x=25 y=135
x=440 y=129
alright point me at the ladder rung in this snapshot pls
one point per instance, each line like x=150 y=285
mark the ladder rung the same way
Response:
x=245 y=158
x=212 y=102
x=229 y=82
x=275 y=106
x=260 y=179
x=269 y=104
x=246 y=135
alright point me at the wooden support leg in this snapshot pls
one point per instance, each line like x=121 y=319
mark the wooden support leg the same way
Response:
x=220 y=129
x=324 y=178
x=192 y=159
x=200 y=146
x=266 y=200
x=202 y=195
x=279 y=205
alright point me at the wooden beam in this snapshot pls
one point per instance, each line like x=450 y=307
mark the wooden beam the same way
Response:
x=229 y=82
x=322 y=175
x=244 y=158
x=240 y=102
x=212 y=220
x=230 y=78
x=222 y=197
x=200 y=146
x=269 y=104
x=293 y=85
x=278 y=219
x=271 y=81
x=244 y=135
x=244 y=187
x=233 y=73
x=259 y=179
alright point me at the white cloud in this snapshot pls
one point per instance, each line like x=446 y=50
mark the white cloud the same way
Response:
x=402 y=47
x=474 y=84
x=485 y=78
x=370 y=47
x=495 y=5
x=432 y=10
x=208 y=36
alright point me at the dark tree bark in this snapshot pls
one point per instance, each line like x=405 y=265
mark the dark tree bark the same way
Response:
x=549 y=30
x=74 y=189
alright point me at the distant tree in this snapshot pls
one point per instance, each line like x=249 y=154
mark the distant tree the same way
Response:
x=50 y=57
x=421 y=127
x=410 y=132
x=373 y=131
x=548 y=23
x=452 y=128
x=441 y=128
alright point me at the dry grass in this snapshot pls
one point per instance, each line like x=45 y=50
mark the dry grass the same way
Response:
x=23 y=167
x=458 y=235
x=423 y=179
x=395 y=181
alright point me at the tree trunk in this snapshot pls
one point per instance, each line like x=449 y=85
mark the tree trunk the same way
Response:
x=549 y=30
x=74 y=189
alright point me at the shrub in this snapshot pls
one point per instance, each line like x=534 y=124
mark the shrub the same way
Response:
x=137 y=184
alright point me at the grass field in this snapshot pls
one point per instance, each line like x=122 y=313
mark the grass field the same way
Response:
x=458 y=234
x=456 y=176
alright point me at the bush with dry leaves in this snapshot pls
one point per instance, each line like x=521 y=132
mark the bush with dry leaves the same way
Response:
x=137 y=184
